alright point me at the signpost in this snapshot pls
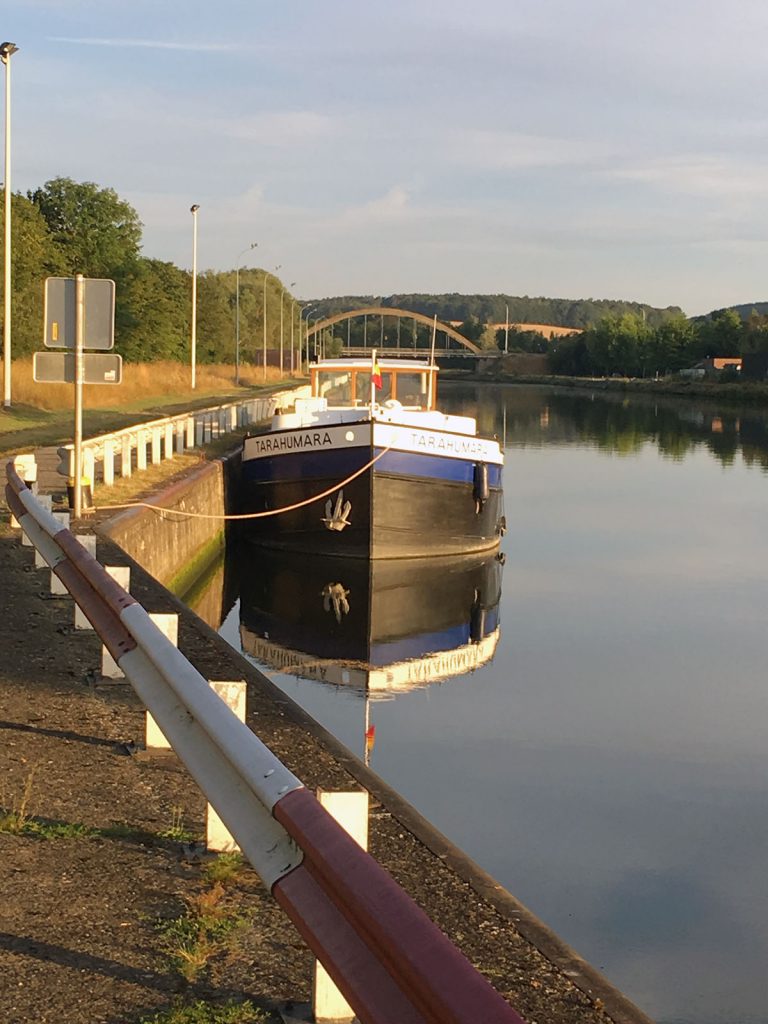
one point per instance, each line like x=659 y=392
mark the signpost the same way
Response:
x=79 y=312
x=59 y=368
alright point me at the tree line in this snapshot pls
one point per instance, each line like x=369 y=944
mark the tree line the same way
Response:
x=65 y=227
x=493 y=309
x=629 y=346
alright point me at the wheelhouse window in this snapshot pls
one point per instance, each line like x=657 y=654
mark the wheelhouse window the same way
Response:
x=336 y=386
x=412 y=389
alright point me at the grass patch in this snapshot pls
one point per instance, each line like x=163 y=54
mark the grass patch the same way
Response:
x=225 y=870
x=17 y=812
x=42 y=414
x=204 y=1012
x=177 y=831
x=206 y=929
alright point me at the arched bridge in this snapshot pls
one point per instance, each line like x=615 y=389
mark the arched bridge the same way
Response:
x=352 y=314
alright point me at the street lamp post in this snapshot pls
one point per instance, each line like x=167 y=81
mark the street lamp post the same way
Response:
x=264 y=317
x=193 y=341
x=282 y=303
x=237 y=310
x=306 y=336
x=6 y=52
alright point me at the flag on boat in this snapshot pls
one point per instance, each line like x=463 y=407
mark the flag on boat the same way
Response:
x=370 y=738
x=376 y=374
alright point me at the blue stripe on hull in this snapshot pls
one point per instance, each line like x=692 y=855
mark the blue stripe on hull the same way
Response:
x=339 y=463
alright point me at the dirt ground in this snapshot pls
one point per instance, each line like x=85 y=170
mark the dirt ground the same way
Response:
x=81 y=915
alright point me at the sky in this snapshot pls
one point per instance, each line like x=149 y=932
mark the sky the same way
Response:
x=537 y=147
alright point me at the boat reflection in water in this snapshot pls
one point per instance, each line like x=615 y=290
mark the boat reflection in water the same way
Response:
x=382 y=627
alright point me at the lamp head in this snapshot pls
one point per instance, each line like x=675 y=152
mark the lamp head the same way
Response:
x=194 y=208
x=7 y=50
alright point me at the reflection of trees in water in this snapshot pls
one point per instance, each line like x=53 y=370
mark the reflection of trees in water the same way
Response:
x=623 y=425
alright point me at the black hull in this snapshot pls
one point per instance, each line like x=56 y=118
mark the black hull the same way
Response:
x=391 y=516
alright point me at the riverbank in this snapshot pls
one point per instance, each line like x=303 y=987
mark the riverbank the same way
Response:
x=753 y=393
x=98 y=954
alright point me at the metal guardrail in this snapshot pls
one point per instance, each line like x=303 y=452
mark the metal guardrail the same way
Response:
x=168 y=436
x=391 y=963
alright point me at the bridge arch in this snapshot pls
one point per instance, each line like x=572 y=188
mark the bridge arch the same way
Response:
x=352 y=314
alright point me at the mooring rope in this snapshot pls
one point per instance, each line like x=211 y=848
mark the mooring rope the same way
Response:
x=250 y=515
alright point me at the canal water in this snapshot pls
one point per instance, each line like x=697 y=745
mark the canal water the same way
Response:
x=589 y=722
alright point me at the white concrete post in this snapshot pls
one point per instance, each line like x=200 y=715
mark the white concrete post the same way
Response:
x=169 y=440
x=351 y=812
x=121 y=574
x=109 y=462
x=125 y=456
x=190 y=432
x=179 y=438
x=155 y=445
x=88 y=540
x=141 y=450
x=217 y=836
x=57 y=587
x=47 y=502
x=26 y=467
x=89 y=466
x=168 y=624
x=199 y=432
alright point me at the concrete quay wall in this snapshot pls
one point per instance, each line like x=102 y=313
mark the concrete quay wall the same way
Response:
x=172 y=547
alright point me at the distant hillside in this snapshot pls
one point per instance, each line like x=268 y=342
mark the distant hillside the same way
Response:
x=578 y=313
x=745 y=310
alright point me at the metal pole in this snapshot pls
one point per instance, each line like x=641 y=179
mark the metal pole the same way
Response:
x=293 y=319
x=6 y=51
x=253 y=245
x=264 y=318
x=282 y=298
x=78 y=393
x=193 y=343
x=237 y=323
x=506 y=334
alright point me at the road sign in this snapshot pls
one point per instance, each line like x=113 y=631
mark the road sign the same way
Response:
x=59 y=368
x=98 y=313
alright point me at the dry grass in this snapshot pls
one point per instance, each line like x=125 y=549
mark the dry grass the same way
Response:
x=143 y=383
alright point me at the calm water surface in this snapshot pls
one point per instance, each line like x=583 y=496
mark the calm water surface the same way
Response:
x=609 y=765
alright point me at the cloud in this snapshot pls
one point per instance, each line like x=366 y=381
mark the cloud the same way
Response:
x=279 y=128
x=147 y=44
x=700 y=175
x=512 y=150
x=392 y=207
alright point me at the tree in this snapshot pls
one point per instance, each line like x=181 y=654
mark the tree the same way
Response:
x=153 y=312
x=99 y=233
x=34 y=256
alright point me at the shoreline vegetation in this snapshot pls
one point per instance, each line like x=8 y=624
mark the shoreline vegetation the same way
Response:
x=754 y=393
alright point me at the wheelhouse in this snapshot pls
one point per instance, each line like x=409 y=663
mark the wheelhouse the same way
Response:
x=344 y=382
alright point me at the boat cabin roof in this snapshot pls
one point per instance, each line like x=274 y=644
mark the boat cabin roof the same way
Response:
x=363 y=364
